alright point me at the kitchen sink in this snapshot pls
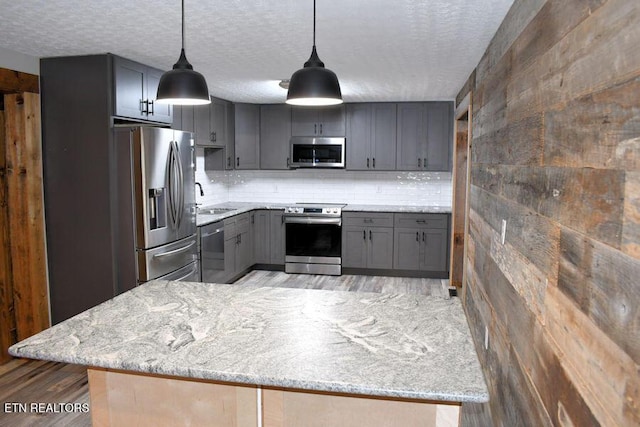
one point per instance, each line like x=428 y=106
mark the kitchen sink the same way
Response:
x=215 y=211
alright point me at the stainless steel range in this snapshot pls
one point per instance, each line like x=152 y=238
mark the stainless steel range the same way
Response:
x=313 y=235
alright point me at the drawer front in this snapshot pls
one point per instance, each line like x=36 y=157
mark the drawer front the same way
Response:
x=421 y=220
x=243 y=223
x=368 y=219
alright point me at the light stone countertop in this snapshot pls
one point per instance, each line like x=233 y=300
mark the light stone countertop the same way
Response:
x=406 y=346
x=242 y=207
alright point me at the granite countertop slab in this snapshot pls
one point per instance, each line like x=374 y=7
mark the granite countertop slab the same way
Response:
x=237 y=209
x=242 y=207
x=405 y=346
x=397 y=208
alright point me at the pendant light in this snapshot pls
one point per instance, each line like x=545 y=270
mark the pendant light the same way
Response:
x=182 y=85
x=314 y=84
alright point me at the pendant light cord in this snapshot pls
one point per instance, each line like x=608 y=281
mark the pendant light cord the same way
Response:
x=314 y=23
x=183 y=24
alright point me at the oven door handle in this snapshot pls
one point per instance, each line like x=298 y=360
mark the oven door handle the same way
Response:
x=307 y=220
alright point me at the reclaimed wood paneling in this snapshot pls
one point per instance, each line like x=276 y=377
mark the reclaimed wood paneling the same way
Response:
x=26 y=215
x=631 y=215
x=604 y=284
x=14 y=81
x=557 y=156
x=7 y=319
x=459 y=182
x=607 y=124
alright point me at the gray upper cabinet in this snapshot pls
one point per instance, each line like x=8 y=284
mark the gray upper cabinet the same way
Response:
x=371 y=136
x=247 y=136
x=424 y=136
x=322 y=121
x=135 y=89
x=215 y=130
x=275 y=133
x=183 y=118
x=210 y=123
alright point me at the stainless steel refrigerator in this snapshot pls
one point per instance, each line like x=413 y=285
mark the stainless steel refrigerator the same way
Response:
x=138 y=224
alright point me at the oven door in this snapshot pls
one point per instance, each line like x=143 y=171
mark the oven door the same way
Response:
x=313 y=245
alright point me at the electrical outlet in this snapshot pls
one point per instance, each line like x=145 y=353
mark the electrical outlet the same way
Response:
x=486 y=338
x=504 y=230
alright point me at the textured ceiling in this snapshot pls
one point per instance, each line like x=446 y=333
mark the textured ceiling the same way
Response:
x=381 y=50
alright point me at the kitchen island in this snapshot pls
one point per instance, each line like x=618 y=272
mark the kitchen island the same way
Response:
x=216 y=354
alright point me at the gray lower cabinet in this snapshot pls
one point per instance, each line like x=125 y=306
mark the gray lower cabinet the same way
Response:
x=268 y=237
x=371 y=136
x=424 y=136
x=238 y=245
x=276 y=234
x=261 y=221
x=247 y=136
x=275 y=133
x=421 y=242
x=367 y=240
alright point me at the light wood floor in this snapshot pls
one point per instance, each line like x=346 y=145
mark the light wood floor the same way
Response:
x=25 y=381
x=354 y=283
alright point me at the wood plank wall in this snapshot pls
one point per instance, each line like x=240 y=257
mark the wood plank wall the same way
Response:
x=556 y=153
x=24 y=303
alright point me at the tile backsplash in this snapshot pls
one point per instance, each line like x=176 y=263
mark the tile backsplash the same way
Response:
x=324 y=186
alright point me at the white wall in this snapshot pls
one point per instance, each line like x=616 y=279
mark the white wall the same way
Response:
x=17 y=61
x=324 y=185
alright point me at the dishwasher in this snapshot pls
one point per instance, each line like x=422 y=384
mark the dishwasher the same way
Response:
x=212 y=252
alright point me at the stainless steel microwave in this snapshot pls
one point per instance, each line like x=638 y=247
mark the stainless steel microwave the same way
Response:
x=313 y=152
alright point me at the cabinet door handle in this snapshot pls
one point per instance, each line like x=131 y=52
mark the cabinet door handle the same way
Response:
x=142 y=104
x=213 y=137
x=315 y=128
x=369 y=234
x=150 y=103
x=417 y=236
x=288 y=161
x=423 y=233
x=374 y=162
x=238 y=161
x=364 y=234
x=320 y=128
x=419 y=162
x=228 y=161
x=367 y=162
x=424 y=163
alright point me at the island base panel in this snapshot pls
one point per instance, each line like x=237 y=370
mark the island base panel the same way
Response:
x=125 y=398
x=121 y=399
x=286 y=408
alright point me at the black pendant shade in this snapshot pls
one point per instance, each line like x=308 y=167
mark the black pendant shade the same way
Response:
x=182 y=85
x=314 y=84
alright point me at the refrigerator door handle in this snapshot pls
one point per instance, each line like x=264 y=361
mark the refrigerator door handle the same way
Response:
x=175 y=251
x=174 y=185
x=180 y=207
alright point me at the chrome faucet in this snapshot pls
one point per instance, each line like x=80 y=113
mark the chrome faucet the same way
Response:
x=201 y=191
